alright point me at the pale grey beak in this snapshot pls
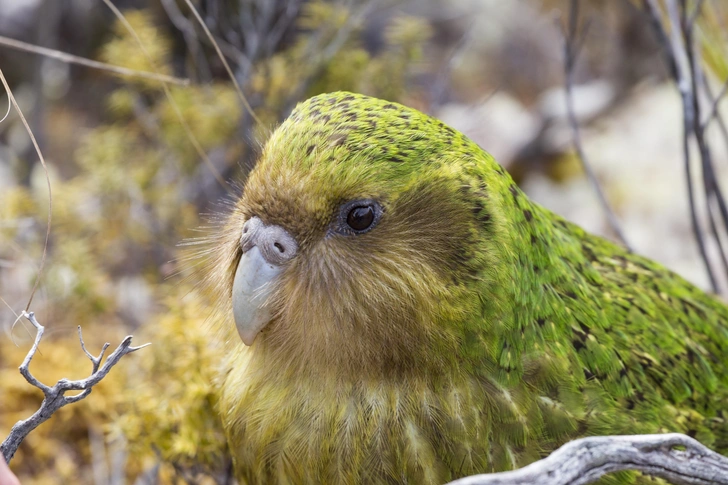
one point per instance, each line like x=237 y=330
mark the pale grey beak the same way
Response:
x=265 y=250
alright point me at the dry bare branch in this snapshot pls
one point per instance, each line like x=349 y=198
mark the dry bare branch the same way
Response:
x=674 y=27
x=82 y=61
x=41 y=267
x=674 y=457
x=238 y=89
x=191 y=40
x=55 y=396
x=715 y=101
x=572 y=43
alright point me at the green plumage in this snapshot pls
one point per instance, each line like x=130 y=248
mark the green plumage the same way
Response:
x=470 y=331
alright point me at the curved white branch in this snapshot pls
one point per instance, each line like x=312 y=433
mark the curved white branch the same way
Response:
x=55 y=397
x=674 y=457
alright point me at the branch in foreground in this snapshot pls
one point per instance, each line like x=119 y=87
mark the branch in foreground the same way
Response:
x=674 y=457
x=55 y=397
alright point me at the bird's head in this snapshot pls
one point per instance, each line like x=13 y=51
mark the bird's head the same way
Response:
x=366 y=234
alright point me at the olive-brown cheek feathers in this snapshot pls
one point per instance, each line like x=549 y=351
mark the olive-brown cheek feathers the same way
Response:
x=372 y=301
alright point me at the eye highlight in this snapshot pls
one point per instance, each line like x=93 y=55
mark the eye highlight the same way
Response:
x=359 y=216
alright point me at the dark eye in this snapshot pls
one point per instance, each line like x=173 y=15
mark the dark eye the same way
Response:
x=360 y=218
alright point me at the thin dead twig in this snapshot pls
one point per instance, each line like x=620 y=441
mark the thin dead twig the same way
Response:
x=82 y=61
x=191 y=40
x=710 y=181
x=714 y=103
x=572 y=44
x=675 y=27
x=224 y=61
x=48 y=182
x=683 y=80
x=55 y=397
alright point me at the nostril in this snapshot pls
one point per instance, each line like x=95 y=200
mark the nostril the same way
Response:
x=275 y=244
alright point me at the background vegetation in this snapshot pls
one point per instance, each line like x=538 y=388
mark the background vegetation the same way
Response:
x=135 y=171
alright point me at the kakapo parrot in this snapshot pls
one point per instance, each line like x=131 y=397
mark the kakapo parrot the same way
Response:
x=407 y=315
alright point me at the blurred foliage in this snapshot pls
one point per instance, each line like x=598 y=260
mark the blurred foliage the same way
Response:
x=134 y=189
x=169 y=407
x=124 y=49
x=128 y=189
x=714 y=40
x=330 y=57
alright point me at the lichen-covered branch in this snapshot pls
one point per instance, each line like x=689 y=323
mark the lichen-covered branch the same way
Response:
x=55 y=396
x=674 y=457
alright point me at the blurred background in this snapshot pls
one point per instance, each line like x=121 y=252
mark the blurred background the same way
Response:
x=136 y=171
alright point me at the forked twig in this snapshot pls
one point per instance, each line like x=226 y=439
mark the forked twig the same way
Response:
x=55 y=396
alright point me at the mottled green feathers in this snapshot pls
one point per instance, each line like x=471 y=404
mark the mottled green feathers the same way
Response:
x=470 y=331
